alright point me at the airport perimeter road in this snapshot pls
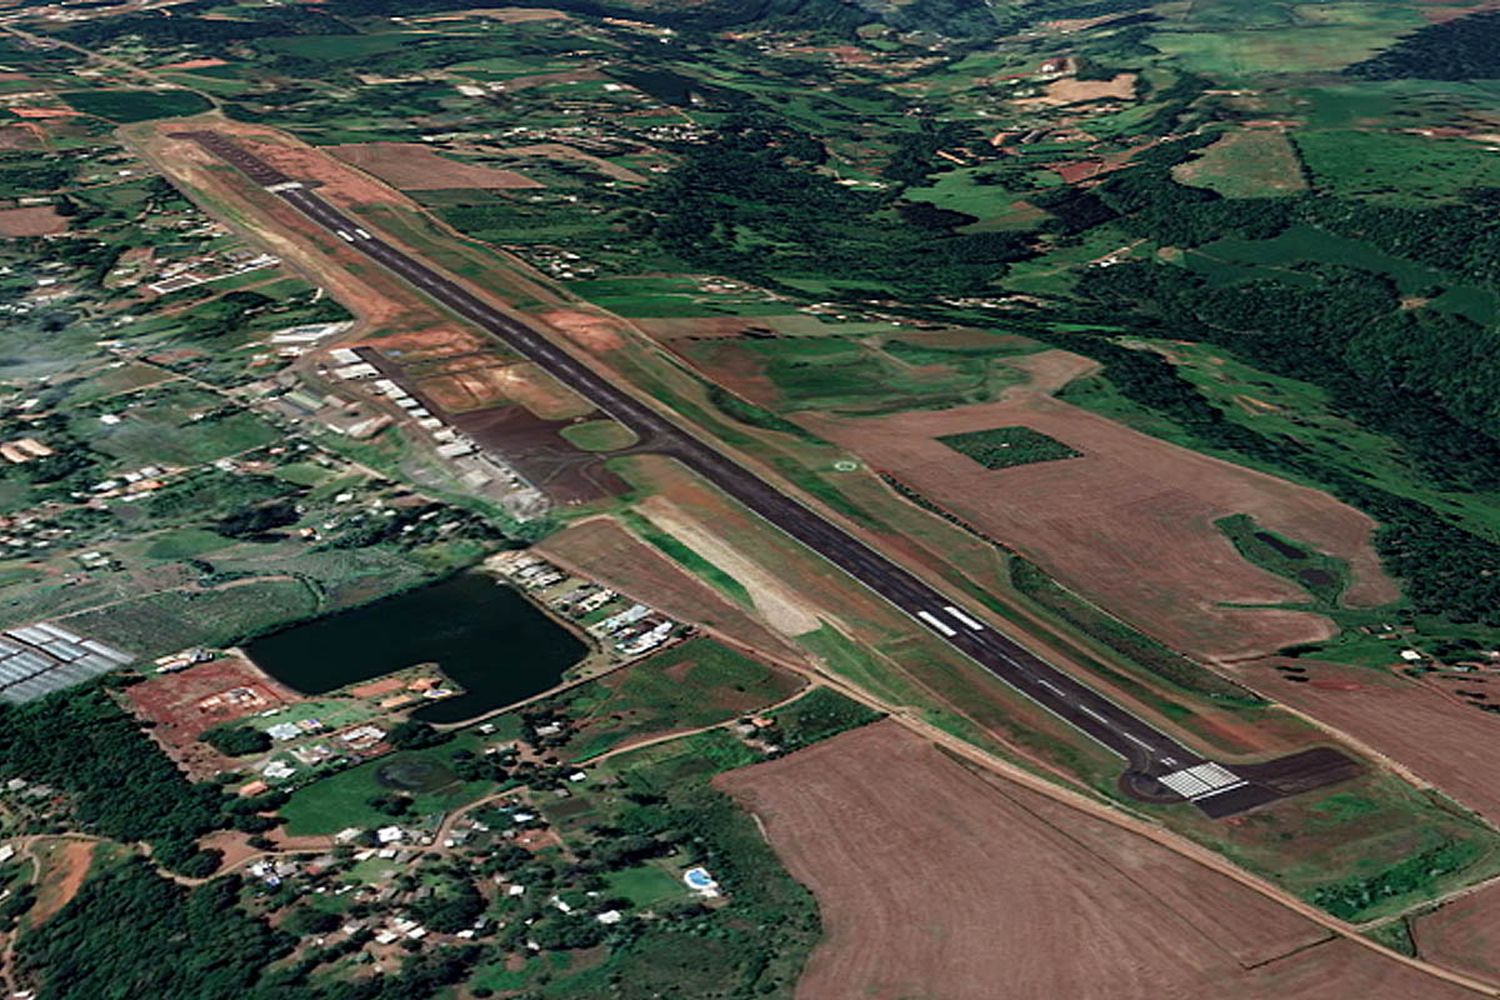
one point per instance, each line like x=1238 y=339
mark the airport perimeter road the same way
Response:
x=1159 y=766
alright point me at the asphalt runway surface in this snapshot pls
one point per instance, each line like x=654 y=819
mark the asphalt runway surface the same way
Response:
x=1149 y=753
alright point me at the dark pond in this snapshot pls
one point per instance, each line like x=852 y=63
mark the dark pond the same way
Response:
x=486 y=637
x=1315 y=577
x=1287 y=551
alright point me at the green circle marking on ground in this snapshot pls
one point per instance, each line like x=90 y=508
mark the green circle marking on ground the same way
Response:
x=599 y=435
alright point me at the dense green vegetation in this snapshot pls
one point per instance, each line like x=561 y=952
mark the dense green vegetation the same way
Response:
x=1465 y=48
x=1003 y=447
x=137 y=105
x=1415 y=875
x=132 y=933
x=83 y=744
x=820 y=714
x=749 y=204
x=236 y=741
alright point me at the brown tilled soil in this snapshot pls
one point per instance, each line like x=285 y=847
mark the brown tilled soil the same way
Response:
x=935 y=882
x=1428 y=730
x=413 y=167
x=1072 y=91
x=38 y=220
x=1463 y=935
x=522 y=383
x=602 y=550
x=1130 y=523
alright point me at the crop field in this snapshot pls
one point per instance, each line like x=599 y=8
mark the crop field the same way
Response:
x=1129 y=523
x=40 y=220
x=698 y=683
x=899 y=845
x=157 y=624
x=1459 y=935
x=1239 y=55
x=412 y=167
x=125 y=106
x=1003 y=447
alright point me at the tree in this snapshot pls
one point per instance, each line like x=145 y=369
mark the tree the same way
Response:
x=236 y=741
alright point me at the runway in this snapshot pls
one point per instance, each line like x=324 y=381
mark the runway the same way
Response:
x=1157 y=766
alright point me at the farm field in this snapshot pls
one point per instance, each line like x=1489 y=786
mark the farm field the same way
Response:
x=1460 y=934
x=1423 y=725
x=1162 y=565
x=899 y=844
x=410 y=167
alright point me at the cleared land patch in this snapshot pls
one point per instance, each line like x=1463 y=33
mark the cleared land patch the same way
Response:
x=37 y=220
x=933 y=881
x=602 y=550
x=411 y=167
x=1251 y=163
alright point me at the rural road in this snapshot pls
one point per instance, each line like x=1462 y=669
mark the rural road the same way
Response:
x=1158 y=766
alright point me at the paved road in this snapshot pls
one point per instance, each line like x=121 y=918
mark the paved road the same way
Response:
x=1148 y=752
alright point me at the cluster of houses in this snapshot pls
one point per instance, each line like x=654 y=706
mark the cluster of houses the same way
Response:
x=629 y=628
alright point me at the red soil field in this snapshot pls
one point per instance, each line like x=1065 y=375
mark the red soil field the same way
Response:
x=413 y=167
x=1431 y=733
x=1130 y=523
x=936 y=882
x=1463 y=935
x=182 y=705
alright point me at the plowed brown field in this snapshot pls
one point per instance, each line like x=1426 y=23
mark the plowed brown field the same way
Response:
x=935 y=882
x=1431 y=733
x=1130 y=523
x=1463 y=935
x=411 y=167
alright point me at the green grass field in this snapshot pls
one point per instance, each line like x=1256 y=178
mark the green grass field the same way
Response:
x=698 y=683
x=1395 y=167
x=127 y=106
x=342 y=800
x=599 y=435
